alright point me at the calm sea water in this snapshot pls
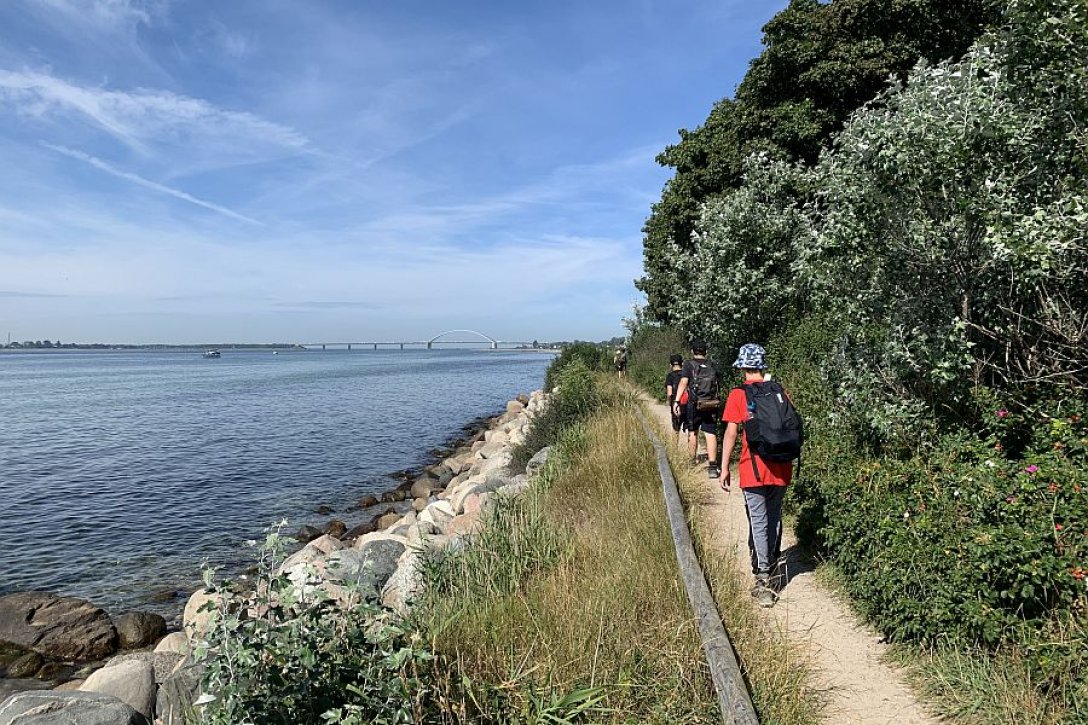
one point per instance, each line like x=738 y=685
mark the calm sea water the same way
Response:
x=120 y=472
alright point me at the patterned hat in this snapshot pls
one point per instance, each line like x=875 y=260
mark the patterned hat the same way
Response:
x=751 y=357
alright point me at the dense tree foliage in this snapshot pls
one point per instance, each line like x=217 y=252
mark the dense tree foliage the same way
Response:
x=820 y=63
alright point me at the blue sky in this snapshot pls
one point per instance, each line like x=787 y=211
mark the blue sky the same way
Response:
x=264 y=170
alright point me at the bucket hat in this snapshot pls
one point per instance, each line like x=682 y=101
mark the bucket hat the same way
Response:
x=752 y=357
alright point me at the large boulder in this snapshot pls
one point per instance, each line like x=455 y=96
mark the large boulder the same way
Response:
x=26 y=666
x=405 y=584
x=174 y=642
x=9 y=687
x=489 y=450
x=163 y=663
x=132 y=682
x=199 y=610
x=517 y=485
x=178 y=694
x=51 y=707
x=364 y=570
x=498 y=462
x=64 y=628
x=537 y=461
x=424 y=487
x=139 y=629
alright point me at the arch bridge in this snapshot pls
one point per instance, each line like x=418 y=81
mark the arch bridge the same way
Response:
x=493 y=342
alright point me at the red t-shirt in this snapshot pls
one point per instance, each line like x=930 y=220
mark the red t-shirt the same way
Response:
x=771 y=473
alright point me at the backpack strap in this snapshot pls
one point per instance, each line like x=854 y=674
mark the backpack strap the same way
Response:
x=751 y=453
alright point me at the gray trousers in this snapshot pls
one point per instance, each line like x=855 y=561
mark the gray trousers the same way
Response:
x=763 y=505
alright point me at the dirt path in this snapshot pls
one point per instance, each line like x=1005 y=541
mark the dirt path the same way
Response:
x=858 y=686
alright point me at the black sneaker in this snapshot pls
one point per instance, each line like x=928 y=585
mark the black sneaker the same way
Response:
x=763 y=594
x=712 y=471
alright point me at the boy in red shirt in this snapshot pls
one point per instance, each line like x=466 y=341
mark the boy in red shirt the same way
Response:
x=763 y=496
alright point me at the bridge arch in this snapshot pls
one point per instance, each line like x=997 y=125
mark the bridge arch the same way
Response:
x=493 y=341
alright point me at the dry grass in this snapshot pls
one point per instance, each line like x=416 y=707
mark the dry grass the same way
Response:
x=778 y=673
x=594 y=600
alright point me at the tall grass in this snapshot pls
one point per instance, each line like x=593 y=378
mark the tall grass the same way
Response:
x=571 y=601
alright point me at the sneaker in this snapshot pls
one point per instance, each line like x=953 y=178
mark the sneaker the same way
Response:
x=763 y=594
x=712 y=471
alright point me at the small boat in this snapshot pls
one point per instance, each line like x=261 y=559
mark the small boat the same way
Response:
x=212 y=353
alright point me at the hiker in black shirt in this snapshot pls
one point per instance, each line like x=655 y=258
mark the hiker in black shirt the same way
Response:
x=672 y=383
x=698 y=379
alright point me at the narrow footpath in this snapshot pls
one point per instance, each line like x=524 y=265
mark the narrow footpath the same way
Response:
x=856 y=683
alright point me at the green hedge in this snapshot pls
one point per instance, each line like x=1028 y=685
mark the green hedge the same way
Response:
x=594 y=358
x=648 y=357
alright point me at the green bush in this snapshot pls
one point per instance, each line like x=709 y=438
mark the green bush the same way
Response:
x=648 y=356
x=594 y=358
x=273 y=655
x=576 y=394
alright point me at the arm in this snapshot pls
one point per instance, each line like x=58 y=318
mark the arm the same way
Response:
x=727 y=455
x=669 y=394
x=680 y=391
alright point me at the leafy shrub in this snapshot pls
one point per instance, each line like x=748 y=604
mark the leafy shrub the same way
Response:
x=594 y=358
x=576 y=394
x=648 y=356
x=275 y=656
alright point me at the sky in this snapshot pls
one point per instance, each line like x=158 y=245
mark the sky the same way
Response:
x=184 y=171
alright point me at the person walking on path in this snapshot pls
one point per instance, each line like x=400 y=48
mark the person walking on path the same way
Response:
x=672 y=383
x=619 y=359
x=764 y=409
x=699 y=380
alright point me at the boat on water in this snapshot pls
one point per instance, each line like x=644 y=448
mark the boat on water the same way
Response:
x=212 y=353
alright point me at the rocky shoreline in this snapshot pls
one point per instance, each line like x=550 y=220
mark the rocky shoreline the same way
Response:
x=64 y=655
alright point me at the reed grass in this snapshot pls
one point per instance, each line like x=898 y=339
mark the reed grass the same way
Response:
x=570 y=606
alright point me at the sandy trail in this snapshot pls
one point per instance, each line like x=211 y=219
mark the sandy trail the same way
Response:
x=853 y=679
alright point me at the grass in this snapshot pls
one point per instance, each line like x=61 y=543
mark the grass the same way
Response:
x=779 y=675
x=570 y=607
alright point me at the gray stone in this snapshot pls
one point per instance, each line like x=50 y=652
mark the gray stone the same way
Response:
x=9 y=687
x=365 y=528
x=139 y=629
x=62 y=627
x=67 y=708
x=537 y=461
x=405 y=584
x=178 y=693
x=174 y=642
x=307 y=533
x=199 y=610
x=132 y=682
x=162 y=663
x=517 y=485
x=367 y=501
x=424 y=486
x=336 y=528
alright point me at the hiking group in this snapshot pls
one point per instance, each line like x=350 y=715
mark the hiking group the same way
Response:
x=771 y=435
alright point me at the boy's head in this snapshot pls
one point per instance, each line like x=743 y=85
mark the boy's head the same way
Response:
x=751 y=357
x=698 y=347
x=675 y=360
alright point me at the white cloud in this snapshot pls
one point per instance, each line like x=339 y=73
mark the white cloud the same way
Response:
x=143 y=118
x=147 y=183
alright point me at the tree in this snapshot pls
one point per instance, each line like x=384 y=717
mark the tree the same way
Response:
x=820 y=63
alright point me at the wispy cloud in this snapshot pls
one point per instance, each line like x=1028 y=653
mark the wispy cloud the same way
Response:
x=142 y=118
x=147 y=183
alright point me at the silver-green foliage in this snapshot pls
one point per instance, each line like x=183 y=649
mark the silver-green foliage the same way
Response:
x=946 y=230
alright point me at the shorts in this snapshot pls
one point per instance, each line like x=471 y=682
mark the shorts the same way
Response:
x=707 y=421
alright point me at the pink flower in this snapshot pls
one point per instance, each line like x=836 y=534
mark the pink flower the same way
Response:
x=1057 y=527
x=1032 y=468
x=1002 y=413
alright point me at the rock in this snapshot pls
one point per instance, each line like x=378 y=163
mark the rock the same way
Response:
x=477 y=503
x=517 y=485
x=62 y=627
x=445 y=477
x=307 y=533
x=367 y=501
x=418 y=504
x=423 y=487
x=356 y=531
x=463 y=525
x=537 y=461
x=523 y=399
x=77 y=708
x=312 y=552
x=405 y=583
x=388 y=520
x=394 y=496
x=174 y=642
x=457 y=501
x=363 y=570
x=478 y=445
x=166 y=595
x=139 y=629
x=489 y=450
x=335 y=528
x=324 y=510
x=198 y=613
x=26 y=666
x=132 y=682
x=55 y=671
x=69 y=686
x=178 y=693
x=9 y=687
x=162 y=663
x=419 y=532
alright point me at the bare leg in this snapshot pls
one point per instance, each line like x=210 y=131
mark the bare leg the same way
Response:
x=693 y=443
x=711 y=449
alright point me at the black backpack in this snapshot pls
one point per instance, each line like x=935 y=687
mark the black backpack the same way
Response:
x=774 y=429
x=704 y=385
